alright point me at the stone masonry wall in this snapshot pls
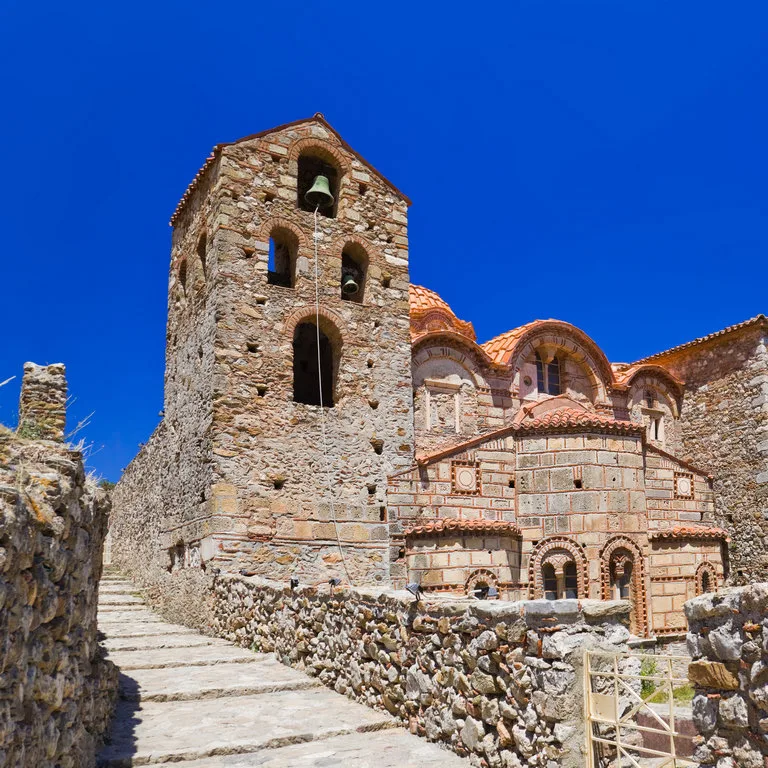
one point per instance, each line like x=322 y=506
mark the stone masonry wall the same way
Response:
x=498 y=681
x=724 y=428
x=56 y=689
x=43 y=402
x=728 y=640
x=147 y=515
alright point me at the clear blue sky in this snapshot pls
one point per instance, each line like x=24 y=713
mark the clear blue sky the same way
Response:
x=604 y=163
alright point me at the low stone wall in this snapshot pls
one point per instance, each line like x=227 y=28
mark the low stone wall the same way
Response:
x=56 y=689
x=728 y=639
x=499 y=681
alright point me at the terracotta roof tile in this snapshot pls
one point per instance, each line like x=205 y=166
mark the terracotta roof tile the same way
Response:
x=453 y=525
x=690 y=532
x=498 y=347
x=430 y=314
x=758 y=319
x=570 y=418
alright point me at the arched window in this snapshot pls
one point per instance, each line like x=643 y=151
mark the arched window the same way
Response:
x=183 y=275
x=310 y=167
x=706 y=579
x=621 y=578
x=306 y=374
x=282 y=258
x=202 y=252
x=571 y=581
x=550 y=581
x=354 y=269
x=548 y=375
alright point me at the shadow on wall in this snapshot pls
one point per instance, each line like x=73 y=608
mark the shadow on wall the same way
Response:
x=121 y=745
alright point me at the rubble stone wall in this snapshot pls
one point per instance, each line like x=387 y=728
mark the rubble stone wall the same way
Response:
x=728 y=640
x=147 y=518
x=498 y=681
x=56 y=689
x=43 y=402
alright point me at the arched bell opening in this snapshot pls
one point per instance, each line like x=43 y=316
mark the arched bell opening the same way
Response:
x=314 y=373
x=283 y=248
x=354 y=271
x=317 y=184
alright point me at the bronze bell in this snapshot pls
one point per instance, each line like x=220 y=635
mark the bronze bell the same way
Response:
x=319 y=195
x=349 y=284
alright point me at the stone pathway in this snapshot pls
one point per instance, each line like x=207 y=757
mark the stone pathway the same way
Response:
x=200 y=702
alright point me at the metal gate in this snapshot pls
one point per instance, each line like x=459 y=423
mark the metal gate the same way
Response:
x=629 y=702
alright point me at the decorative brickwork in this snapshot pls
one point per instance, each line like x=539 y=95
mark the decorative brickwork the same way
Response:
x=563 y=549
x=615 y=557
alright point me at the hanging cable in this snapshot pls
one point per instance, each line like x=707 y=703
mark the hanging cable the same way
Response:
x=326 y=464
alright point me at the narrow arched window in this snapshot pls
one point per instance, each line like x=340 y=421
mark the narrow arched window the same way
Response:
x=281 y=269
x=183 y=275
x=550 y=581
x=571 y=580
x=354 y=269
x=548 y=378
x=202 y=252
x=706 y=585
x=310 y=167
x=313 y=372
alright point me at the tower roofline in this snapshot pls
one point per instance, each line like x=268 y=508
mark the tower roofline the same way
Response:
x=317 y=117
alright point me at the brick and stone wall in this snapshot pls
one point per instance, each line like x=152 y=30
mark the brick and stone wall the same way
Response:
x=56 y=688
x=728 y=640
x=498 y=681
x=724 y=429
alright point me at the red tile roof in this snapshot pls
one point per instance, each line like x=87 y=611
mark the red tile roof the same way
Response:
x=497 y=348
x=453 y=525
x=757 y=320
x=574 y=418
x=431 y=314
x=690 y=532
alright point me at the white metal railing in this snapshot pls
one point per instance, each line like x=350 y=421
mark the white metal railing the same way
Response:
x=613 y=699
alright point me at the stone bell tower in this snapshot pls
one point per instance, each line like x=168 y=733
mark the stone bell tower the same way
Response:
x=274 y=482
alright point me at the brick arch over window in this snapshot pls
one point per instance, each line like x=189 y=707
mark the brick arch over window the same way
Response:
x=331 y=323
x=705 y=569
x=571 y=342
x=660 y=386
x=546 y=549
x=639 y=615
x=322 y=149
x=480 y=576
x=275 y=224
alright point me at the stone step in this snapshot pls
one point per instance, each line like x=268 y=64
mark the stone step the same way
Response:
x=143 y=629
x=208 y=682
x=122 y=599
x=392 y=748
x=116 y=586
x=159 y=732
x=118 y=618
x=139 y=605
x=205 y=655
x=153 y=642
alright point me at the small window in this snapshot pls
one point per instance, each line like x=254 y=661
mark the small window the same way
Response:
x=571 y=581
x=183 y=275
x=657 y=428
x=550 y=582
x=202 y=251
x=548 y=376
x=307 y=377
x=281 y=269
x=310 y=167
x=706 y=583
x=354 y=266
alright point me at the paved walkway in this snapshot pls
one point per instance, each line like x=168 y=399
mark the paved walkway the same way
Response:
x=200 y=702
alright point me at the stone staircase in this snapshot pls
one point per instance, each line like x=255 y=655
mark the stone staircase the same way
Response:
x=203 y=703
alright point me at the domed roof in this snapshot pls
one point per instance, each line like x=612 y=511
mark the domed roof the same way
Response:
x=430 y=314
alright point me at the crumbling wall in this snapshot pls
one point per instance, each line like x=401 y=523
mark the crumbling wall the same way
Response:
x=43 y=402
x=498 y=681
x=728 y=640
x=56 y=689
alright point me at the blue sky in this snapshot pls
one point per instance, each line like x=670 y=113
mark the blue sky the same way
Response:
x=600 y=162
